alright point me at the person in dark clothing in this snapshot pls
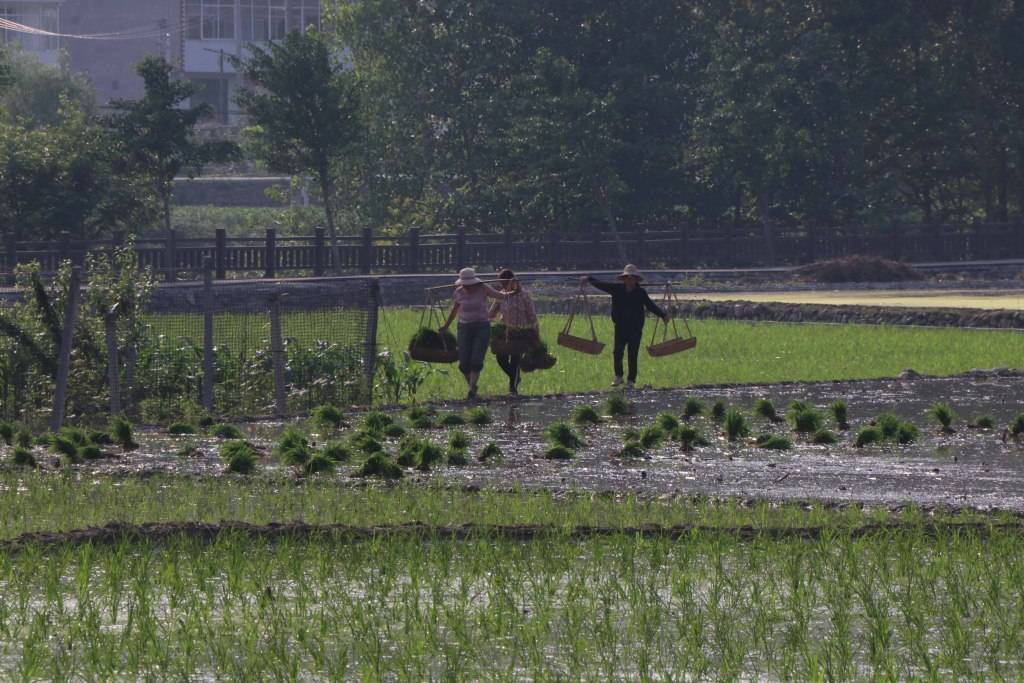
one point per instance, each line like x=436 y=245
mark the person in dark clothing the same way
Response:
x=630 y=302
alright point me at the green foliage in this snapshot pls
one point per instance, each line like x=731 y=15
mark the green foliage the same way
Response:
x=888 y=423
x=189 y=450
x=585 y=415
x=718 y=410
x=490 y=452
x=667 y=421
x=804 y=418
x=906 y=433
x=763 y=407
x=66 y=448
x=393 y=431
x=336 y=451
x=559 y=453
x=23 y=438
x=121 y=432
x=478 y=416
x=944 y=415
x=318 y=463
x=23 y=457
x=631 y=450
x=1016 y=428
x=774 y=442
x=458 y=441
x=430 y=454
x=365 y=442
x=451 y=420
x=630 y=434
x=292 y=447
x=375 y=421
x=561 y=434
x=867 y=436
x=239 y=456
x=735 y=425
x=617 y=405
x=689 y=438
x=456 y=457
x=652 y=436
x=226 y=431
x=427 y=338
x=179 y=428
x=381 y=466
x=839 y=411
x=423 y=422
x=398 y=380
x=693 y=407
x=7 y=430
x=327 y=416
x=984 y=422
x=824 y=437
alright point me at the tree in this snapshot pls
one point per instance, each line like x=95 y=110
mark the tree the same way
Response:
x=35 y=93
x=305 y=111
x=159 y=133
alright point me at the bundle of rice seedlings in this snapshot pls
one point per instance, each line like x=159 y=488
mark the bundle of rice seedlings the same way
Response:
x=423 y=422
x=561 y=434
x=735 y=425
x=23 y=457
x=458 y=440
x=409 y=451
x=292 y=447
x=239 y=456
x=327 y=416
x=478 y=415
x=559 y=453
x=379 y=465
x=804 y=418
x=1016 y=427
x=457 y=457
x=692 y=407
x=630 y=434
x=226 y=431
x=90 y=451
x=839 y=412
x=667 y=421
x=867 y=436
x=394 y=431
x=23 y=438
x=365 y=442
x=763 y=407
x=775 y=442
x=906 y=433
x=121 y=433
x=375 y=421
x=617 y=405
x=66 y=449
x=651 y=436
x=689 y=438
x=718 y=412
x=336 y=451
x=451 y=420
x=824 y=437
x=100 y=438
x=585 y=415
x=984 y=422
x=490 y=452
x=181 y=428
x=189 y=450
x=413 y=412
x=631 y=449
x=318 y=463
x=944 y=415
x=7 y=431
x=206 y=421
x=429 y=455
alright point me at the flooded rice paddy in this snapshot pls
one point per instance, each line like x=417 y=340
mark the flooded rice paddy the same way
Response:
x=972 y=467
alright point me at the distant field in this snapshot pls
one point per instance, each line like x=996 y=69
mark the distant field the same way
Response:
x=997 y=299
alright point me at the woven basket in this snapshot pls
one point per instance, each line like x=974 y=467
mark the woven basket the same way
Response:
x=671 y=346
x=514 y=343
x=531 y=362
x=433 y=355
x=581 y=344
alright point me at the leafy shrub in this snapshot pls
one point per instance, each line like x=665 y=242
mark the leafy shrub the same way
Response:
x=652 y=436
x=824 y=437
x=559 y=453
x=226 y=431
x=327 y=416
x=667 y=421
x=692 y=407
x=561 y=434
x=585 y=415
x=944 y=415
x=121 y=433
x=478 y=415
x=631 y=449
x=318 y=463
x=839 y=411
x=763 y=407
x=458 y=440
x=984 y=422
x=239 y=456
x=181 y=428
x=718 y=412
x=804 y=418
x=617 y=405
x=457 y=457
x=490 y=452
x=336 y=451
x=735 y=425
x=23 y=457
x=379 y=465
x=867 y=436
x=689 y=438
x=451 y=420
x=774 y=442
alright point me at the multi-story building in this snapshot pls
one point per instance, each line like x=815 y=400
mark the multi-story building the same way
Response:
x=105 y=39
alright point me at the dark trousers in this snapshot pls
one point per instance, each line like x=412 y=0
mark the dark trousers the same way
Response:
x=627 y=336
x=510 y=364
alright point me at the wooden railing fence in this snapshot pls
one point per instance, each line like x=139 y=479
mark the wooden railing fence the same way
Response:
x=684 y=246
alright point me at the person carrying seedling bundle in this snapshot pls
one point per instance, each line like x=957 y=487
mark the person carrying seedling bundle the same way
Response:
x=474 y=331
x=520 y=319
x=629 y=302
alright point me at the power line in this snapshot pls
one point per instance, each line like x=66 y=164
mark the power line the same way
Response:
x=138 y=33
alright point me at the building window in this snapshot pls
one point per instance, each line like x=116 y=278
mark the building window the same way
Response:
x=36 y=16
x=210 y=19
x=263 y=20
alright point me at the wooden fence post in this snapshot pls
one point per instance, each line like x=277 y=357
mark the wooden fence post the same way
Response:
x=370 y=347
x=596 y=259
x=11 y=247
x=641 y=246
x=460 y=248
x=509 y=250
x=208 y=369
x=553 y=254
x=366 y=253
x=113 y=361
x=270 y=254
x=414 y=251
x=171 y=255
x=220 y=247
x=60 y=393
x=277 y=356
x=319 y=247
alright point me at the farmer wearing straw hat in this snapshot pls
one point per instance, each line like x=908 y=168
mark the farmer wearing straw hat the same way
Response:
x=629 y=302
x=474 y=332
x=520 y=318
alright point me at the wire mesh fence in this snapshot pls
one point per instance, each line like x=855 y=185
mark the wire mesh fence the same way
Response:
x=226 y=349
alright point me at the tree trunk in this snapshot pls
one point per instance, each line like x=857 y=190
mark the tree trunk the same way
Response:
x=327 y=190
x=165 y=199
x=767 y=228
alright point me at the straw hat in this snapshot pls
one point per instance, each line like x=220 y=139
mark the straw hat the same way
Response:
x=630 y=271
x=467 y=276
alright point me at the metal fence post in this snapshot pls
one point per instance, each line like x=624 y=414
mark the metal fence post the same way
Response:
x=366 y=253
x=270 y=254
x=171 y=255
x=113 y=362
x=220 y=252
x=319 y=249
x=208 y=369
x=60 y=393
x=277 y=355
x=414 y=250
x=370 y=349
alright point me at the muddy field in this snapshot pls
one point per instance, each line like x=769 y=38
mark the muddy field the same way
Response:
x=973 y=467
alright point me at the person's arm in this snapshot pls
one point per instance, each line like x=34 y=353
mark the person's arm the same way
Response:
x=653 y=307
x=495 y=310
x=451 y=316
x=496 y=293
x=607 y=287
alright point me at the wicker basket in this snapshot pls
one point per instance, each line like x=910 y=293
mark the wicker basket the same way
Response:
x=533 y=362
x=514 y=343
x=430 y=355
x=581 y=344
x=671 y=346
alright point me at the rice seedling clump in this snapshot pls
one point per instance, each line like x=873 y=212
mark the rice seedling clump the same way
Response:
x=944 y=415
x=906 y=433
x=451 y=420
x=121 y=433
x=824 y=437
x=490 y=452
x=365 y=442
x=239 y=456
x=718 y=412
x=327 y=416
x=23 y=457
x=1016 y=427
x=478 y=416
x=7 y=430
x=561 y=434
x=868 y=435
x=375 y=421
x=840 y=413
x=181 y=428
x=803 y=418
x=631 y=450
x=652 y=436
x=457 y=457
x=292 y=447
x=617 y=405
x=559 y=453
x=667 y=421
x=735 y=425
x=381 y=466
x=774 y=442
x=692 y=407
x=689 y=438
x=585 y=415
x=227 y=431
x=458 y=440
x=318 y=463
x=763 y=407
x=189 y=450
x=984 y=422
x=394 y=431
x=336 y=451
